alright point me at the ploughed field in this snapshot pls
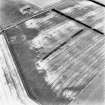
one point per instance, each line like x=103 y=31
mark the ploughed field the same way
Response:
x=59 y=57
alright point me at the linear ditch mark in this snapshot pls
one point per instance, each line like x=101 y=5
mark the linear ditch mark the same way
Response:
x=96 y=2
x=62 y=44
x=71 y=18
x=76 y=34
